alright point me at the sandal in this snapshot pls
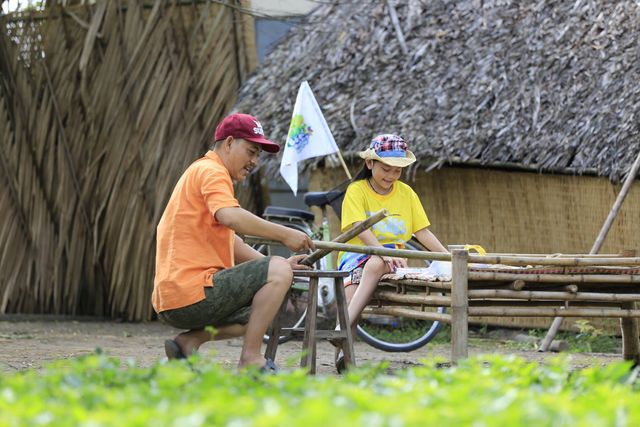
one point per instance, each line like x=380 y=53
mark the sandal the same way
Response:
x=269 y=367
x=173 y=350
x=340 y=365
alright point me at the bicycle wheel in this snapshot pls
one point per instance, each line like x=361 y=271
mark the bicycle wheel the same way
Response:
x=296 y=310
x=395 y=333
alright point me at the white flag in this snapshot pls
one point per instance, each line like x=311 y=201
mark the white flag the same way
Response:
x=309 y=136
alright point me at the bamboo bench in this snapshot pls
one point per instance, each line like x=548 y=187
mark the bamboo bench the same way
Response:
x=518 y=286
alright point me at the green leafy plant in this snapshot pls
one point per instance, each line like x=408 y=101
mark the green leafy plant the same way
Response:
x=98 y=390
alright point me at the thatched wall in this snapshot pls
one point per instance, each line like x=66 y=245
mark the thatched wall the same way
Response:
x=518 y=212
x=101 y=109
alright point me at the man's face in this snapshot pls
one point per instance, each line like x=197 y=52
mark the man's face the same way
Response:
x=243 y=157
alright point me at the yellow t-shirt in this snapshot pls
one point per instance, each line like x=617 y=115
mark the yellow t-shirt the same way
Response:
x=406 y=214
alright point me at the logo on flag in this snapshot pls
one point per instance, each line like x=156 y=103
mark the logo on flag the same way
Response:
x=309 y=136
x=299 y=133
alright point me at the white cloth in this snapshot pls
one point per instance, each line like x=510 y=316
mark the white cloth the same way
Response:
x=309 y=136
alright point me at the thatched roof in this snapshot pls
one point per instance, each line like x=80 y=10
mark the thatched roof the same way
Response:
x=545 y=85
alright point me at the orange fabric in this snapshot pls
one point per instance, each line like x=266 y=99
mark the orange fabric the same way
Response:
x=191 y=245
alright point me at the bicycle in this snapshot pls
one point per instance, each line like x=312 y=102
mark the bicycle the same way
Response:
x=387 y=333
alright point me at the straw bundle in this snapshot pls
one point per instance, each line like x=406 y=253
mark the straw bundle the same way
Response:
x=101 y=109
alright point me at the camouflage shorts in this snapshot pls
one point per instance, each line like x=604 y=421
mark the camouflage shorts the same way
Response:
x=227 y=302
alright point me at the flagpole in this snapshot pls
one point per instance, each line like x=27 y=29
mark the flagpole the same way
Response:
x=344 y=165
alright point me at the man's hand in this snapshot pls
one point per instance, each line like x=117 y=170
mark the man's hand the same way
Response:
x=294 y=261
x=295 y=240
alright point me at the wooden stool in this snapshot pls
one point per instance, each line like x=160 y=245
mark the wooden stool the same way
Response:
x=310 y=331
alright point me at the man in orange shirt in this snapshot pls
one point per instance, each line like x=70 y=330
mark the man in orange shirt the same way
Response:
x=205 y=274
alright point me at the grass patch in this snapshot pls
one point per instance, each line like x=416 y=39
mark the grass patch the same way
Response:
x=587 y=340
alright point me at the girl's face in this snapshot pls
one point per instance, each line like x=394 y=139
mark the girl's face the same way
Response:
x=383 y=176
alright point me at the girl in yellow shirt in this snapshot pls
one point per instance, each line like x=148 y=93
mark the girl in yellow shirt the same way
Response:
x=377 y=187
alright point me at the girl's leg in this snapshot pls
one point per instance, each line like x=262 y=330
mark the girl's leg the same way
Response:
x=373 y=270
x=349 y=292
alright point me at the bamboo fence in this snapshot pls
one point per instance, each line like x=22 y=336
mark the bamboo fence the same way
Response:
x=469 y=292
x=101 y=109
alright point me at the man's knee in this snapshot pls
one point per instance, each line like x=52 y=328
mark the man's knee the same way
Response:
x=280 y=270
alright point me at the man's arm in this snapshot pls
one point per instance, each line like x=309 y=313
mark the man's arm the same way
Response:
x=246 y=223
x=244 y=252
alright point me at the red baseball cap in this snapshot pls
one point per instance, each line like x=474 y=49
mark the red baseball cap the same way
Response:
x=246 y=127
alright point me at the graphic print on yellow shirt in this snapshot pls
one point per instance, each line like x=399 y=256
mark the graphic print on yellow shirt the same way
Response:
x=405 y=214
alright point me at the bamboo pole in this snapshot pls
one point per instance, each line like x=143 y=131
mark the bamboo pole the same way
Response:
x=556 y=278
x=560 y=262
x=482 y=259
x=414 y=314
x=431 y=300
x=346 y=236
x=499 y=302
x=551 y=295
x=555 y=326
x=616 y=206
x=517 y=285
x=558 y=255
x=401 y=253
x=396 y=25
x=344 y=165
x=630 y=333
x=551 y=312
x=416 y=283
x=459 y=305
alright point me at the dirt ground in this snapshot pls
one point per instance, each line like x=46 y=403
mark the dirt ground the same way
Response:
x=26 y=344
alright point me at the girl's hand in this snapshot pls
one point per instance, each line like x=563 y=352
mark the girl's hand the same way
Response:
x=392 y=263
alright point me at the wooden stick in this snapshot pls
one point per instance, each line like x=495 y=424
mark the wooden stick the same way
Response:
x=499 y=302
x=482 y=259
x=556 y=278
x=322 y=249
x=344 y=165
x=345 y=237
x=630 y=333
x=564 y=262
x=459 y=305
x=517 y=285
x=431 y=300
x=555 y=326
x=404 y=312
x=566 y=296
x=562 y=255
x=401 y=253
x=416 y=283
x=551 y=312
x=616 y=206
x=396 y=25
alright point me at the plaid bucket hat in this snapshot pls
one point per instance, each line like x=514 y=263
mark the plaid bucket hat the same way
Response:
x=389 y=149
